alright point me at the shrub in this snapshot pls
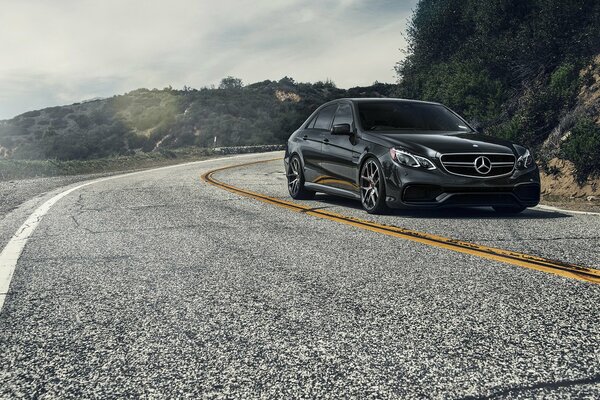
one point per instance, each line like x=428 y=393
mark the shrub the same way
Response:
x=466 y=89
x=564 y=81
x=583 y=148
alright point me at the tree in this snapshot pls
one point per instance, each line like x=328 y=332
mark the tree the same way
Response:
x=231 y=83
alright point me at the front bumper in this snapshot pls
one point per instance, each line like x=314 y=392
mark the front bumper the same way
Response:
x=408 y=187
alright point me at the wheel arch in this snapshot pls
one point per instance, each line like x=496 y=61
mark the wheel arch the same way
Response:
x=361 y=161
x=300 y=157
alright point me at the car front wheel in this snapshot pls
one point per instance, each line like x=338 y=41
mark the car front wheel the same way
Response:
x=295 y=179
x=372 y=188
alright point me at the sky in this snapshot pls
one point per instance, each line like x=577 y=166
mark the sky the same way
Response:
x=64 y=51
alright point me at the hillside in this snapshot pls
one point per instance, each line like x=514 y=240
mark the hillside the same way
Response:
x=146 y=120
x=525 y=70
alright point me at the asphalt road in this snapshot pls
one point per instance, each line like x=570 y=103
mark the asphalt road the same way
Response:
x=159 y=285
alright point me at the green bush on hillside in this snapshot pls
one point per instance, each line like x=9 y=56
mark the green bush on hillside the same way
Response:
x=540 y=107
x=465 y=88
x=512 y=65
x=583 y=148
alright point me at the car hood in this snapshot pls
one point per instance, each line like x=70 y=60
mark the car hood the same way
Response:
x=442 y=142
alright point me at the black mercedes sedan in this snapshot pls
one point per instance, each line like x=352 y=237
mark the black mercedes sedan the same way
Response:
x=394 y=153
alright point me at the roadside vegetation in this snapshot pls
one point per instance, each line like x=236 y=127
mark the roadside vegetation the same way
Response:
x=522 y=69
x=583 y=148
x=148 y=121
x=11 y=169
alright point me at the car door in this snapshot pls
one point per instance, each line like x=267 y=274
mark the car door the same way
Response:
x=312 y=142
x=340 y=157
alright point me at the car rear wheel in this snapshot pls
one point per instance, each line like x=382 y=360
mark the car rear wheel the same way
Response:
x=372 y=188
x=295 y=179
x=508 y=210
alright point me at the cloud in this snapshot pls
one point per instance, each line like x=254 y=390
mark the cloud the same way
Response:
x=68 y=50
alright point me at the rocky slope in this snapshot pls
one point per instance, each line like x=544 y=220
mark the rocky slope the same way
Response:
x=559 y=175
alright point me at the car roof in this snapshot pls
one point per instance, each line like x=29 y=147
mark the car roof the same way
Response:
x=384 y=99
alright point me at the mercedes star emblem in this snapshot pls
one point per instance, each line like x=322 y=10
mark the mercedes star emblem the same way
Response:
x=483 y=165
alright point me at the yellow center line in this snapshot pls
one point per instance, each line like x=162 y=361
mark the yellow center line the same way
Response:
x=491 y=253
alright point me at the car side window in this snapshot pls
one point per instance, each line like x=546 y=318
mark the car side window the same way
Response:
x=343 y=115
x=325 y=117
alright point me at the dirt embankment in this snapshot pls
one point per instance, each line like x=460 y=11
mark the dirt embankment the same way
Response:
x=561 y=189
x=559 y=183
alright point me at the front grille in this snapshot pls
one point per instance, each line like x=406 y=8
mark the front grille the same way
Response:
x=492 y=189
x=482 y=199
x=479 y=165
x=414 y=193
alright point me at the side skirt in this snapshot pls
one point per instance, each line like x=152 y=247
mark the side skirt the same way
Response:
x=331 y=190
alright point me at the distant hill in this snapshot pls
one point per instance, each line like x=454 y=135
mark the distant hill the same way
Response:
x=146 y=120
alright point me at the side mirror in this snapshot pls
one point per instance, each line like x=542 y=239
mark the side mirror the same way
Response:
x=341 y=129
x=478 y=126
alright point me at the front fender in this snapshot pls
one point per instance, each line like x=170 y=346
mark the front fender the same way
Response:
x=377 y=151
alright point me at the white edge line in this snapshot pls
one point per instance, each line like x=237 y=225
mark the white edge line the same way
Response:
x=13 y=249
x=550 y=208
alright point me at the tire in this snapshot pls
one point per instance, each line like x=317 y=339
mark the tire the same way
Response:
x=295 y=180
x=372 y=187
x=508 y=210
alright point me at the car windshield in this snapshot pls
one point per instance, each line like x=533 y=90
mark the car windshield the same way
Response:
x=393 y=116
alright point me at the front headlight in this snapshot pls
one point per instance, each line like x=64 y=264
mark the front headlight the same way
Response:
x=410 y=160
x=525 y=161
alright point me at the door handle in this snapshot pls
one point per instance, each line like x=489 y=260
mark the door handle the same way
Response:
x=326 y=141
x=305 y=137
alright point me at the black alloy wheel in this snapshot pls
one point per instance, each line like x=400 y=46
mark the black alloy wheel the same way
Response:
x=372 y=188
x=295 y=178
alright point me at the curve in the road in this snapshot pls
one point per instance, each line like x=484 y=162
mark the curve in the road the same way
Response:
x=12 y=251
x=496 y=254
